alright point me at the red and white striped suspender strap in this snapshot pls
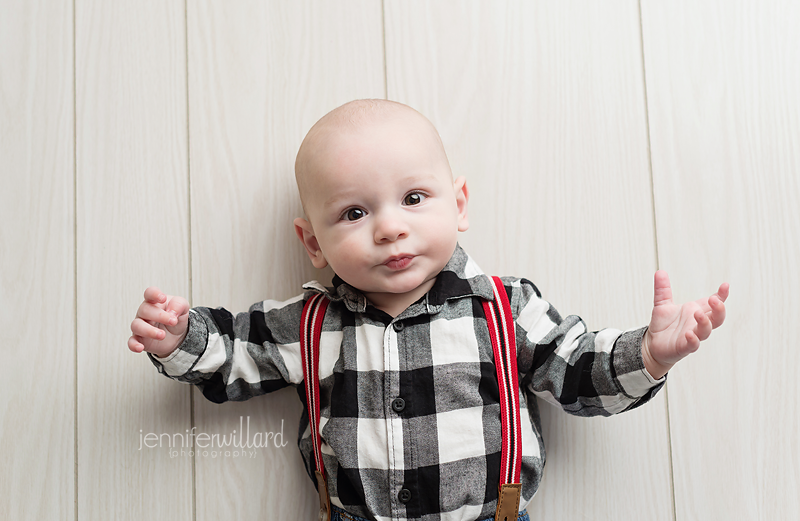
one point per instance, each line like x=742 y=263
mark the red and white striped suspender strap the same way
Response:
x=504 y=346
x=310 y=332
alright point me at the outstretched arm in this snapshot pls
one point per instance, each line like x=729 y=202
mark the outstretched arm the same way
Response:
x=676 y=331
x=229 y=357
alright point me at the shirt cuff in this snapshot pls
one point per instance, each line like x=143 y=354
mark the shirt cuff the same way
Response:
x=632 y=377
x=185 y=356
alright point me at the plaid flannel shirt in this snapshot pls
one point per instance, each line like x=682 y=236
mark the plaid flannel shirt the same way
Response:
x=440 y=443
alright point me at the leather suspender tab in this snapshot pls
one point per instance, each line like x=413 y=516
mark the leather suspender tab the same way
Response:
x=508 y=502
x=324 y=498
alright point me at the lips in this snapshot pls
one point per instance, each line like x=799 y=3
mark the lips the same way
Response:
x=398 y=262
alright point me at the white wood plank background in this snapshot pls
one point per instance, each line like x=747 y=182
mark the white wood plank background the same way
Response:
x=723 y=81
x=181 y=132
x=541 y=106
x=132 y=227
x=37 y=261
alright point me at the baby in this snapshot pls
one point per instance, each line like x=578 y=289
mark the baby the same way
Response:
x=409 y=397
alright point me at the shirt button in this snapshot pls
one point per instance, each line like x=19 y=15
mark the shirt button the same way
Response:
x=398 y=326
x=404 y=496
x=398 y=404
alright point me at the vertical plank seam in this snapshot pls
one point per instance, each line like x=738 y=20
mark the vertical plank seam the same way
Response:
x=189 y=235
x=75 y=255
x=383 y=34
x=655 y=243
x=647 y=125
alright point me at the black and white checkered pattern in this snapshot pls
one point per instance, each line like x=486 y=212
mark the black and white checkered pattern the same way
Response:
x=436 y=455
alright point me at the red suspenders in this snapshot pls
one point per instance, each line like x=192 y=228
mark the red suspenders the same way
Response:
x=501 y=331
x=310 y=332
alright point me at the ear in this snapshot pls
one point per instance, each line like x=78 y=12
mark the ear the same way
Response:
x=462 y=198
x=305 y=232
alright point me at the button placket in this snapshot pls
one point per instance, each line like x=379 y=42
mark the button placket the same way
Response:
x=395 y=424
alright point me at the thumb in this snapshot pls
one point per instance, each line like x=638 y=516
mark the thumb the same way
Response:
x=663 y=291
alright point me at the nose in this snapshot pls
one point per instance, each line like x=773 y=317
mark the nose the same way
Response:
x=389 y=227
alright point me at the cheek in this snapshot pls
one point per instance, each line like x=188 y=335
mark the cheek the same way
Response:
x=440 y=225
x=344 y=248
x=441 y=234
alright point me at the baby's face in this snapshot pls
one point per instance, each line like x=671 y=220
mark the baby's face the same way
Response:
x=384 y=209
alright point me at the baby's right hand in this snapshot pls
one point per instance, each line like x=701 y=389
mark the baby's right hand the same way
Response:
x=160 y=325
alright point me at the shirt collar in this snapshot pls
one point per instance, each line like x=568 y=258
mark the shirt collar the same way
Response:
x=461 y=277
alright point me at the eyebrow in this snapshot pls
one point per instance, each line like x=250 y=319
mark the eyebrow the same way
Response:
x=335 y=200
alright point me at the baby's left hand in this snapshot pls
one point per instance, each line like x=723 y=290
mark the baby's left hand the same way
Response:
x=676 y=331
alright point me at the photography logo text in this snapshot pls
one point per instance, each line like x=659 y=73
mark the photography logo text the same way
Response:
x=241 y=443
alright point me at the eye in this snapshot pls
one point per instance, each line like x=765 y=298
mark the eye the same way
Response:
x=413 y=198
x=354 y=214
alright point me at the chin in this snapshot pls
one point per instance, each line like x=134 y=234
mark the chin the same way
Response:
x=409 y=286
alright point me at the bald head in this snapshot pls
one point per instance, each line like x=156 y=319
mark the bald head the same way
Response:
x=352 y=121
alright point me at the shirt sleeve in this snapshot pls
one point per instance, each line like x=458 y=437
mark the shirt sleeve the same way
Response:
x=237 y=357
x=585 y=373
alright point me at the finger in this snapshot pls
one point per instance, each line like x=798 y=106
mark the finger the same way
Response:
x=141 y=328
x=724 y=291
x=178 y=305
x=134 y=345
x=152 y=313
x=721 y=294
x=662 y=293
x=154 y=295
x=703 y=328
x=692 y=343
x=717 y=315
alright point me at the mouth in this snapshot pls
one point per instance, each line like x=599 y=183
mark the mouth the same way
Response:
x=398 y=262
